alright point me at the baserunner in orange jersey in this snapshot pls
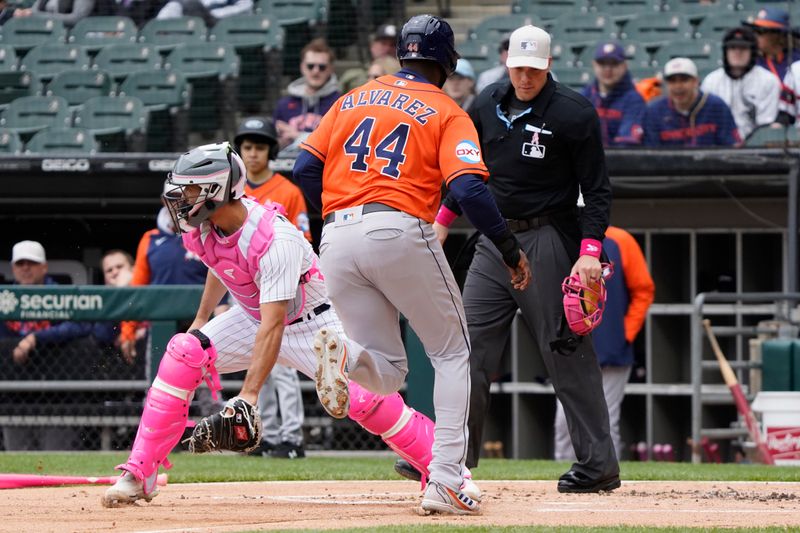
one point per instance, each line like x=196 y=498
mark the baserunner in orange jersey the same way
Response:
x=376 y=164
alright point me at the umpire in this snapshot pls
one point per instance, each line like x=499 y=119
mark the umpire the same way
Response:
x=542 y=145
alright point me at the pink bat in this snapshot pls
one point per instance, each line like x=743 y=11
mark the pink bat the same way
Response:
x=21 y=481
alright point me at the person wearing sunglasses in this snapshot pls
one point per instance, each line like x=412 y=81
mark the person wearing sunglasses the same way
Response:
x=773 y=32
x=309 y=97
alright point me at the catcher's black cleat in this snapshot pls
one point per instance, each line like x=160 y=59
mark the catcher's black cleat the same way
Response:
x=404 y=468
x=574 y=481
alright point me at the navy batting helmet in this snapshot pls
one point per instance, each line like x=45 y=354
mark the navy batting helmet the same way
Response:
x=429 y=38
x=260 y=130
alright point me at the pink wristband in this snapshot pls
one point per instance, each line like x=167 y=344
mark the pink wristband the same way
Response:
x=591 y=247
x=445 y=216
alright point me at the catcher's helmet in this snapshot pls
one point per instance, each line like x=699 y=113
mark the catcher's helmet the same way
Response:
x=430 y=38
x=219 y=173
x=584 y=304
x=260 y=130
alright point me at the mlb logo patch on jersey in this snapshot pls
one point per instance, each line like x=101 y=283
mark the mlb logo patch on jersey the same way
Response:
x=468 y=152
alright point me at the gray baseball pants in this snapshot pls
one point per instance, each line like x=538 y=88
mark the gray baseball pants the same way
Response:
x=491 y=303
x=281 y=391
x=388 y=263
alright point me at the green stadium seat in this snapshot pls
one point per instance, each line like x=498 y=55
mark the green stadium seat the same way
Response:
x=549 y=9
x=166 y=34
x=77 y=86
x=96 y=32
x=8 y=58
x=289 y=12
x=62 y=141
x=588 y=27
x=212 y=68
x=714 y=27
x=10 y=143
x=657 y=27
x=47 y=60
x=121 y=60
x=29 y=114
x=495 y=29
x=574 y=78
x=697 y=12
x=777 y=137
x=626 y=7
x=259 y=43
x=641 y=72
x=23 y=33
x=16 y=84
x=166 y=95
x=118 y=123
x=482 y=56
x=698 y=50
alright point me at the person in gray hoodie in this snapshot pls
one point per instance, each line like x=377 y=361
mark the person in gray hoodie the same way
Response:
x=310 y=96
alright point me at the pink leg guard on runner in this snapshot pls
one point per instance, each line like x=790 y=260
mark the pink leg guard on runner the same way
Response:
x=189 y=359
x=407 y=432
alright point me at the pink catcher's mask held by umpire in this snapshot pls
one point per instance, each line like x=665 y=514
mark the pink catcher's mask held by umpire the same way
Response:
x=584 y=304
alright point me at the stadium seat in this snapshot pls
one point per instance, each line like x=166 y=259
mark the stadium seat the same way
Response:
x=698 y=50
x=574 y=78
x=166 y=34
x=641 y=72
x=549 y=9
x=626 y=7
x=697 y=11
x=213 y=69
x=259 y=43
x=714 y=27
x=77 y=86
x=15 y=84
x=8 y=58
x=96 y=32
x=166 y=95
x=657 y=27
x=118 y=123
x=588 y=27
x=773 y=137
x=23 y=33
x=10 y=143
x=47 y=60
x=495 y=29
x=289 y=12
x=30 y=114
x=121 y=60
x=62 y=140
x=482 y=56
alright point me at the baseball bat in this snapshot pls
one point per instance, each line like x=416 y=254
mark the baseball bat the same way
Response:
x=21 y=481
x=738 y=397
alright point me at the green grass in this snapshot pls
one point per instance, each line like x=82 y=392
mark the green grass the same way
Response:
x=217 y=467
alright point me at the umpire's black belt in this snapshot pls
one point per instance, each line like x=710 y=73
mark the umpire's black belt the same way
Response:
x=524 y=224
x=318 y=310
x=374 y=207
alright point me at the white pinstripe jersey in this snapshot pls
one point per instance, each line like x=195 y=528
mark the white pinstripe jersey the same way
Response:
x=289 y=256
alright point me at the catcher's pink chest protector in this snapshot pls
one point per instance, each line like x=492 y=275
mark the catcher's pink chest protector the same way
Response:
x=235 y=258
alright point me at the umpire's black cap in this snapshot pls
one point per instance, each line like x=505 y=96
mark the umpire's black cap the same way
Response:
x=259 y=129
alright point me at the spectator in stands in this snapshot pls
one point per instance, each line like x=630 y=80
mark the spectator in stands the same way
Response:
x=650 y=88
x=257 y=143
x=209 y=10
x=751 y=91
x=117 y=268
x=29 y=267
x=687 y=116
x=460 y=86
x=382 y=45
x=6 y=11
x=630 y=292
x=310 y=96
x=161 y=259
x=67 y=11
x=618 y=104
x=383 y=66
x=139 y=11
x=494 y=74
x=773 y=34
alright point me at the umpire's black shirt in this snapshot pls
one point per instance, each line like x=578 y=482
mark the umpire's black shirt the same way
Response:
x=537 y=161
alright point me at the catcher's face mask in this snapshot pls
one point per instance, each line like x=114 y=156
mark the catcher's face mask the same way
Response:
x=584 y=304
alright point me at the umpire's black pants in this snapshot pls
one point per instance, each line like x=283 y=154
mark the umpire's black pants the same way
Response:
x=490 y=304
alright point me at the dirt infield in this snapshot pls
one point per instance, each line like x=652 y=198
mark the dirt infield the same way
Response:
x=338 y=504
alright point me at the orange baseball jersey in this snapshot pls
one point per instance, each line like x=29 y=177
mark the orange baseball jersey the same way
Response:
x=393 y=141
x=282 y=191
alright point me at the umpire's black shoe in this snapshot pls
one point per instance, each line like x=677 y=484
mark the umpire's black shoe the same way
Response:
x=574 y=481
x=262 y=450
x=287 y=450
x=404 y=468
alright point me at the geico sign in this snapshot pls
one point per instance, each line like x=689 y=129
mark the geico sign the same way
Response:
x=65 y=165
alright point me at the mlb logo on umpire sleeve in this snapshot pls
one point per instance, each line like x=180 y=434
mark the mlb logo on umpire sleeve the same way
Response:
x=535 y=151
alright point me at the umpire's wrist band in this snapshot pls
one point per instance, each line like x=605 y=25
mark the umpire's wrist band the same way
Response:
x=509 y=248
x=446 y=216
x=591 y=247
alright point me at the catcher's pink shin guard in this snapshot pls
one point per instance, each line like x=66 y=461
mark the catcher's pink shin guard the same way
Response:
x=407 y=432
x=185 y=364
